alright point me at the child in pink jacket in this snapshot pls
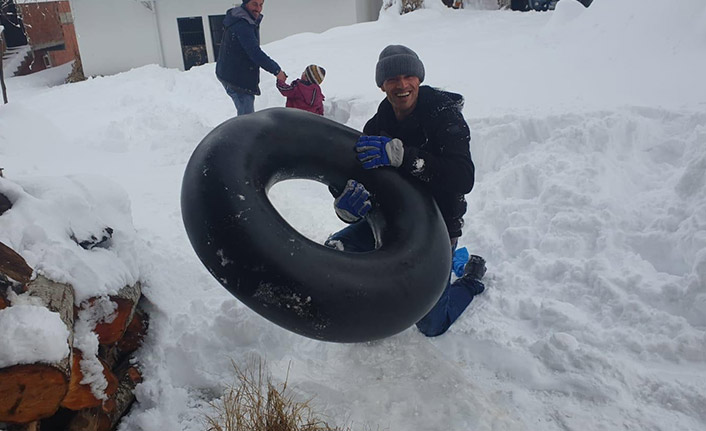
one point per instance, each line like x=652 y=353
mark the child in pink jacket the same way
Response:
x=305 y=93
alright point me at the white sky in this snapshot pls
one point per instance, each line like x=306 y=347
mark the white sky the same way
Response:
x=589 y=138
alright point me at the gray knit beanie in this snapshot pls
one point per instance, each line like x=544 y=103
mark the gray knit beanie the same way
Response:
x=398 y=60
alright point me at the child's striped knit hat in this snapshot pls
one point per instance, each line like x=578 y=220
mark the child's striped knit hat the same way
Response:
x=315 y=73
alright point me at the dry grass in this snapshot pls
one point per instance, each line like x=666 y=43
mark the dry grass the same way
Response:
x=76 y=74
x=254 y=403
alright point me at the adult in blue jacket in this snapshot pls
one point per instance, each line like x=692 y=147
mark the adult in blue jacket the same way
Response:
x=240 y=57
x=419 y=131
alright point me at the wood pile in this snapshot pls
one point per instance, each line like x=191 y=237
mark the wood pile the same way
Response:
x=51 y=396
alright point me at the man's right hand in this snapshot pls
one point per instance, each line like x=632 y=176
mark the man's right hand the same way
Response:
x=376 y=151
x=354 y=203
x=281 y=76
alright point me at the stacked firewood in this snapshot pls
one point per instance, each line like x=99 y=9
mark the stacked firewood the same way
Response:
x=51 y=396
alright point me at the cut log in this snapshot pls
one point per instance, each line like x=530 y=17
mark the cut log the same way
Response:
x=14 y=274
x=58 y=422
x=107 y=418
x=90 y=420
x=13 y=266
x=31 y=392
x=112 y=328
x=32 y=426
x=57 y=297
x=131 y=341
x=81 y=396
x=135 y=332
x=34 y=391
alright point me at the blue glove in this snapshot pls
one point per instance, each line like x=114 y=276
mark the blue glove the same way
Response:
x=376 y=151
x=353 y=203
x=459 y=261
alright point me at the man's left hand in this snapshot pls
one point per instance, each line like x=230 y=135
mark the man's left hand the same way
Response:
x=376 y=151
x=353 y=203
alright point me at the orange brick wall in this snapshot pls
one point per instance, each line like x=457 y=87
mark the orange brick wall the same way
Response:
x=44 y=26
x=71 y=50
x=41 y=22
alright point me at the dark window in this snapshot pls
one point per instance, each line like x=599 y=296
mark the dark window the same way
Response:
x=216 y=24
x=58 y=47
x=14 y=28
x=193 y=41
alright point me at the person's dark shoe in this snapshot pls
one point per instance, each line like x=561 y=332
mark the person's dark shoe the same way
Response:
x=475 y=268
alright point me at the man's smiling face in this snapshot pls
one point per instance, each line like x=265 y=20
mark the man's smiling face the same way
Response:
x=255 y=7
x=402 y=92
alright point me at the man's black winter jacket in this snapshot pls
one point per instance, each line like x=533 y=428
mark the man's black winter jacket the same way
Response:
x=240 y=57
x=437 y=151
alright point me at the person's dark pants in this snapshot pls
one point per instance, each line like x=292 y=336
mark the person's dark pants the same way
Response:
x=358 y=237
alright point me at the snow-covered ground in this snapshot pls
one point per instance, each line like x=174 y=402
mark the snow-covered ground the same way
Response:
x=589 y=138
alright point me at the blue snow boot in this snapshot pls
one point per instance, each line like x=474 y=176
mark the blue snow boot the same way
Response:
x=459 y=260
x=473 y=273
x=475 y=268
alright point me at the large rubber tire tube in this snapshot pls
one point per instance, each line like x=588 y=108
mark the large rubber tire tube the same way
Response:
x=305 y=287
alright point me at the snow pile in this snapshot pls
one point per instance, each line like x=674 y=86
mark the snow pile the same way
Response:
x=51 y=215
x=37 y=334
x=593 y=245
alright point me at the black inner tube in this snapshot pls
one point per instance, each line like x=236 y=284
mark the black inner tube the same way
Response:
x=305 y=287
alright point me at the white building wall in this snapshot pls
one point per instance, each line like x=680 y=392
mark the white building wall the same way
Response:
x=286 y=17
x=114 y=36
x=117 y=35
x=368 y=10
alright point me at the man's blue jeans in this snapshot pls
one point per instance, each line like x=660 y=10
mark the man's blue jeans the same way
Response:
x=244 y=103
x=358 y=237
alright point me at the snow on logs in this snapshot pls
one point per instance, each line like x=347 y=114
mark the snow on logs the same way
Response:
x=31 y=391
x=36 y=386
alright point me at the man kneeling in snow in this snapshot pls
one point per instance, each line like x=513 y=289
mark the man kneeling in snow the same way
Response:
x=420 y=131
